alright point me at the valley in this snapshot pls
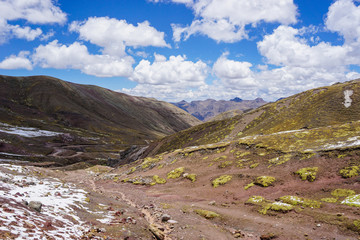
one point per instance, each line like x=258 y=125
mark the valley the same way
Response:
x=285 y=170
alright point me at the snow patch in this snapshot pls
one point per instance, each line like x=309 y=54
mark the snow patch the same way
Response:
x=348 y=100
x=57 y=219
x=26 y=131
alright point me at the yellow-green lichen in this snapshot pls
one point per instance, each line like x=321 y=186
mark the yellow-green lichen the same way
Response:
x=149 y=161
x=349 y=172
x=191 y=177
x=176 y=173
x=329 y=200
x=308 y=173
x=264 y=181
x=159 y=180
x=221 y=180
x=305 y=202
x=342 y=192
x=353 y=201
x=207 y=214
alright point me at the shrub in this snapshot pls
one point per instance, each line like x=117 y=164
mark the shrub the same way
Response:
x=308 y=173
x=207 y=214
x=264 y=181
x=176 y=173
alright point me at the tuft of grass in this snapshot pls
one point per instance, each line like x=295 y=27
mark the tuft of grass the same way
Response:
x=308 y=173
x=254 y=165
x=305 y=202
x=249 y=186
x=349 y=172
x=340 y=192
x=221 y=180
x=329 y=200
x=207 y=214
x=159 y=180
x=264 y=181
x=353 y=201
x=255 y=200
x=176 y=173
x=191 y=177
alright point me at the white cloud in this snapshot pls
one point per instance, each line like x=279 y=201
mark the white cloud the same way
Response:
x=234 y=74
x=26 y=32
x=175 y=71
x=285 y=48
x=16 y=62
x=225 y=20
x=114 y=35
x=77 y=56
x=33 y=11
x=344 y=17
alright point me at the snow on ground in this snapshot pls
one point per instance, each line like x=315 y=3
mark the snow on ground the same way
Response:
x=56 y=220
x=26 y=131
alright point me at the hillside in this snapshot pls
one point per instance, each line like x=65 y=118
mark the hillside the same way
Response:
x=287 y=170
x=79 y=115
x=208 y=109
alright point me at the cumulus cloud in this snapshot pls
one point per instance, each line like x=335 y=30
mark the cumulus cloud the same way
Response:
x=34 y=12
x=284 y=47
x=176 y=71
x=114 y=35
x=225 y=20
x=344 y=17
x=77 y=56
x=233 y=73
x=16 y=62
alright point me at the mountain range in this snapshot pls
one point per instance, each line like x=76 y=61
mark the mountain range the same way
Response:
x=208 y=109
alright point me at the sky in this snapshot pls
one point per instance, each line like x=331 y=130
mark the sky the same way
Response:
x=175 y=50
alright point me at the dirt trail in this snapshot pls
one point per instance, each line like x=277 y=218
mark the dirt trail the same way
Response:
x=148 y=215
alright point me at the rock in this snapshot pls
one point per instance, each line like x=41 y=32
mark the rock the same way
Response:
x=318 y=225
x=35 y=205
x=268 y=236
x=212 y=203
x=165 y=217
x=172 y=221
x=238 y=234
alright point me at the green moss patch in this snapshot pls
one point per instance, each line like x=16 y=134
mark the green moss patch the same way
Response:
x=305 y=202
x=353 y=201
x=308 y=173
x=264 y=181
x=221 y=180
x=176 y=173
x=349 y=172
x=342 y=192
x=357 y=224
x=207 y=214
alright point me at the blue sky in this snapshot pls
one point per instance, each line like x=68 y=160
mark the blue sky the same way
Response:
x=184 y=49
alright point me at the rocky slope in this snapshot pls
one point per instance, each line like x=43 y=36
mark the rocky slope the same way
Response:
x=80 y=119
x=208 y=109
